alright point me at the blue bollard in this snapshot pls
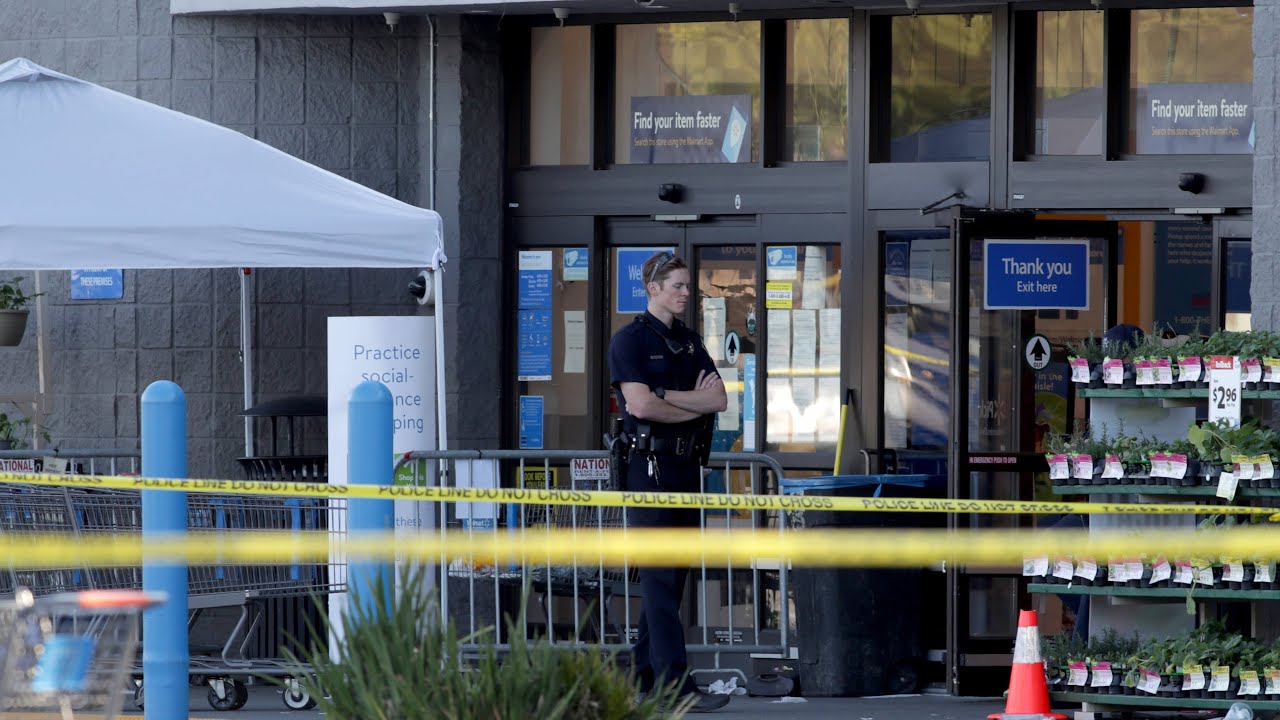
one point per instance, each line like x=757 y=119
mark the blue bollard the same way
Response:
x=370 y=462
x=164 y=627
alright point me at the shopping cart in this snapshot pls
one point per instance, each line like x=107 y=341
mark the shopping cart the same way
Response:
x=69 y=652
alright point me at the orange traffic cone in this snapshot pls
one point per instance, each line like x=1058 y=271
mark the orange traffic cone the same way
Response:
x=1028 y=692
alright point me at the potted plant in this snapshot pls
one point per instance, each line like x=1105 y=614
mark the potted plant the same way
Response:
x=17 y=431
x=1090 y=350
x=13 y=311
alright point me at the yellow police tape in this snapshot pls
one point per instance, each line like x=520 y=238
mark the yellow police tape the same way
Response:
x=639 y=547
x=612 y=498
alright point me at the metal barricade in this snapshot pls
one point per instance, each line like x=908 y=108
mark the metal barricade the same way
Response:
x=587 y=603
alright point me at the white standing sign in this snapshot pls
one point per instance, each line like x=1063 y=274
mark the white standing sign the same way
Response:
x=1224 y=389
x=398 y=352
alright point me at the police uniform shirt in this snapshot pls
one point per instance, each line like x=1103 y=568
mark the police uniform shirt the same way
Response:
x=648 y=352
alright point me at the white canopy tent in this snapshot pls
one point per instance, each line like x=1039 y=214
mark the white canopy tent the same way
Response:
x=97 y=179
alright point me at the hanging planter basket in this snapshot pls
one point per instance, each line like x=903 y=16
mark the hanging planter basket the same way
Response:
x=13 y=324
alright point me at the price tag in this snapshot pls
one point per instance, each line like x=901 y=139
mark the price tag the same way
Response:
x=1133 y=570
x=1273 y=680
x=1064 y=569
x=1221 y=679
x=1160 y=571
x=1150 y=682
x=1233 y=571
x=1193 y=678
x=1271 y=370
x=1204 y=576
x=1184 y=573
x=1144 y=372
x=1264 y=572
x=1251 y=369
x=1117 y=572
x=1177 y=465
x=1079 y=370
x=1087 y=569
x=1082 y=467
x=1264 y=469
x=1113 y=469
x=1113 y=371
x=1227 y=485
x=1249 y=684
x=1101 y=674
x=1164 y=371
x=1080 y=674
x=1035 y=567
x=1059 y=469
x=1242 y=467
x=1224 y=389
x=1160 y=465
x=1189 y=369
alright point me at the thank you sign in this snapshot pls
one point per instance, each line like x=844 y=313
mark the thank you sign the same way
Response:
x=1036 y=275
x=691 y=129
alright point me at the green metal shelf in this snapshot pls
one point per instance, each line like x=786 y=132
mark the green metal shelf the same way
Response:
x=1153 y=701
x=1199 y=490
x=1169 y=393
x=1154 y=592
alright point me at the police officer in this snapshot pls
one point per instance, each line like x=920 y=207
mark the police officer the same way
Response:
x=668 y=391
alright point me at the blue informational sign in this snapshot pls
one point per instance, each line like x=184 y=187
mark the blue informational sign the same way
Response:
x=97 y=284
x=780 y=262
x=576 y=266
x=691 y=129
x=1194 y=118
x=533 y=359
x=535 y=280
x=1184 y=275
x=629 y=294
x=749 y=402
x=531 y=422
x=1036 y=274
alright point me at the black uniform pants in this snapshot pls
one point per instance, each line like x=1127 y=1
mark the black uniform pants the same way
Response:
x=659 y=653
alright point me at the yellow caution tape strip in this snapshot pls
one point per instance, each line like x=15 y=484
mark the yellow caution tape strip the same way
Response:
x=611 y=498
x=647 y=547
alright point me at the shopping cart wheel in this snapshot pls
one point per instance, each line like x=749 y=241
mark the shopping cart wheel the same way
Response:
x=295 y=698
x=235 y=695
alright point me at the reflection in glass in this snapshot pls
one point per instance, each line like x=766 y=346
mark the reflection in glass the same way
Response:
x=712 y=59
x=941 y=88
x=917 y=339
x=802 y=356
x=726 y=291
x=1238 y=269
x=1191 y=81
x=560 y=95
x=1070 y=102
x=817 y=90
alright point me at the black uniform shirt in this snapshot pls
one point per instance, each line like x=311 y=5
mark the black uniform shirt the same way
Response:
x=648 y=352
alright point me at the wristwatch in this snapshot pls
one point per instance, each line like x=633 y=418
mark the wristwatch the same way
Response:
x=660 y=392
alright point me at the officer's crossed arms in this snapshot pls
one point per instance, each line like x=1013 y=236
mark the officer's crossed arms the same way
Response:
x=677 y=405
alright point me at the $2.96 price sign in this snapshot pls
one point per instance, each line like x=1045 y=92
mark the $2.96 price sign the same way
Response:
x=1224 y=389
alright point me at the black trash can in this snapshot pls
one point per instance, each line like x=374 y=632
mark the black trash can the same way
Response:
x=858 y=628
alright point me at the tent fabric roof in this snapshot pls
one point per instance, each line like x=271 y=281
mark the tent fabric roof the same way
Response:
x=94 y=178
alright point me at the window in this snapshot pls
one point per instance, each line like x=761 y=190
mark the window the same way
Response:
x=1237 y=272
x=559 y=96
x=551 y=348
x=726 y=286
x=817 y=96
x=688 y=93
x=1070 y=101
x=1191 y=81
x=940 y=88
x=802 y=352
x=917 y=339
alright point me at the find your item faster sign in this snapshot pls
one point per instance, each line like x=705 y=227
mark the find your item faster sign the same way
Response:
x=1036 y=274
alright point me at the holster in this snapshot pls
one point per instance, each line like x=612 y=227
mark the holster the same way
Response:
x=618 y=443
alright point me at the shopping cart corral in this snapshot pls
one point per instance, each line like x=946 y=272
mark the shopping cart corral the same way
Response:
x=738 y=615
x=243 y=589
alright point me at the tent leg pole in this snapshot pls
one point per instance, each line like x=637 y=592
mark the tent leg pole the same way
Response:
x=40 y=408
x=246 y=359
x=442 y=426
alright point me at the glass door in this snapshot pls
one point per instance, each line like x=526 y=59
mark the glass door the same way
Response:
x=1234 y=242
x=1023 y=288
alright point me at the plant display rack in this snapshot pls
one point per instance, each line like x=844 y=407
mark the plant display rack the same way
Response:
x=1153 y=388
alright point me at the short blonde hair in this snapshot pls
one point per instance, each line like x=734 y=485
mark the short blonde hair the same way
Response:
x=660 y=266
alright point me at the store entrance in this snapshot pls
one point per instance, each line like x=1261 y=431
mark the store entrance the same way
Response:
x=1024 y=290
